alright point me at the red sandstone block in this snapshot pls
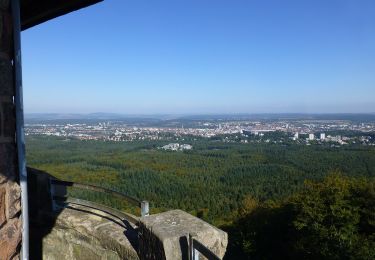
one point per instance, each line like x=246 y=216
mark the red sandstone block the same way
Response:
x=14 y=200
x=2 y=205
x=10 y=237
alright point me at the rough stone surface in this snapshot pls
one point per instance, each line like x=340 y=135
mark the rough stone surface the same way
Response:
x=6 y=79
x=7 y=162
x=84 y=233
x=10 y=238
x=14 y=200
x=6 y=40
x=4 y=4
x=2 y=206
x=8 y=115
x=165 y=235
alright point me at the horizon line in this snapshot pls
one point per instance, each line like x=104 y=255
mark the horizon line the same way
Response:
x=194 y=114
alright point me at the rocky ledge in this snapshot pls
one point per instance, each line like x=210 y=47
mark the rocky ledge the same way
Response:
x=80 y=232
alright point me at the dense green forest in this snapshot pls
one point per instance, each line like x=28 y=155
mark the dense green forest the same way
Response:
x=228 y=184
x=332 y=219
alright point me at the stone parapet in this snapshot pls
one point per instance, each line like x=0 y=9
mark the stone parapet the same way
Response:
x=78 y=229
x=165 y=236
x=81 y=232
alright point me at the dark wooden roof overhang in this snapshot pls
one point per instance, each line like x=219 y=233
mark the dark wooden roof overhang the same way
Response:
x=34 y=12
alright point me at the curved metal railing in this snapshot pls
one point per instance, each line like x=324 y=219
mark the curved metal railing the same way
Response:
x=59 y=194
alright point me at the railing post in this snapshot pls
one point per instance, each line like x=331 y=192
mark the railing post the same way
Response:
x=51 y=194
x=190 y=247
x=193 y=253
x=145 y=208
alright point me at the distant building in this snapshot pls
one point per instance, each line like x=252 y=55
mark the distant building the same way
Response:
x=177 y=147
x=311 y=137
x=322 y=136
x=186 y=147
x=172 y=147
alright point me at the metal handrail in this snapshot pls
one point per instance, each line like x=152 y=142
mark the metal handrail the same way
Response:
x=144 y=205
x=196 y=247
x=110 y=211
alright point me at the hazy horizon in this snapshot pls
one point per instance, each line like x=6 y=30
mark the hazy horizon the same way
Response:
x=103 y=114
x=193 y=112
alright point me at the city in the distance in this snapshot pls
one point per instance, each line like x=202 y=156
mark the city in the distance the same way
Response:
x=317 y=129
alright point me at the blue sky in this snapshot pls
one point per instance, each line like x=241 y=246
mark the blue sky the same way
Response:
x=204 y=56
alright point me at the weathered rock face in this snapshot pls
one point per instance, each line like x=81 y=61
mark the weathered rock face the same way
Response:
x=81 y=232
x=165 y=236
x=10 y=207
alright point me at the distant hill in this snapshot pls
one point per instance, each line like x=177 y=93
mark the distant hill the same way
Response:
x=32 y=117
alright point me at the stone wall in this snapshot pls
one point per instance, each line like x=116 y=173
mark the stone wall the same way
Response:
x=10 y=223
x=79 y=232
x=165 y=236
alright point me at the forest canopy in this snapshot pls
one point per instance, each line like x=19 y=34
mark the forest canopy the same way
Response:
x=267 y=196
